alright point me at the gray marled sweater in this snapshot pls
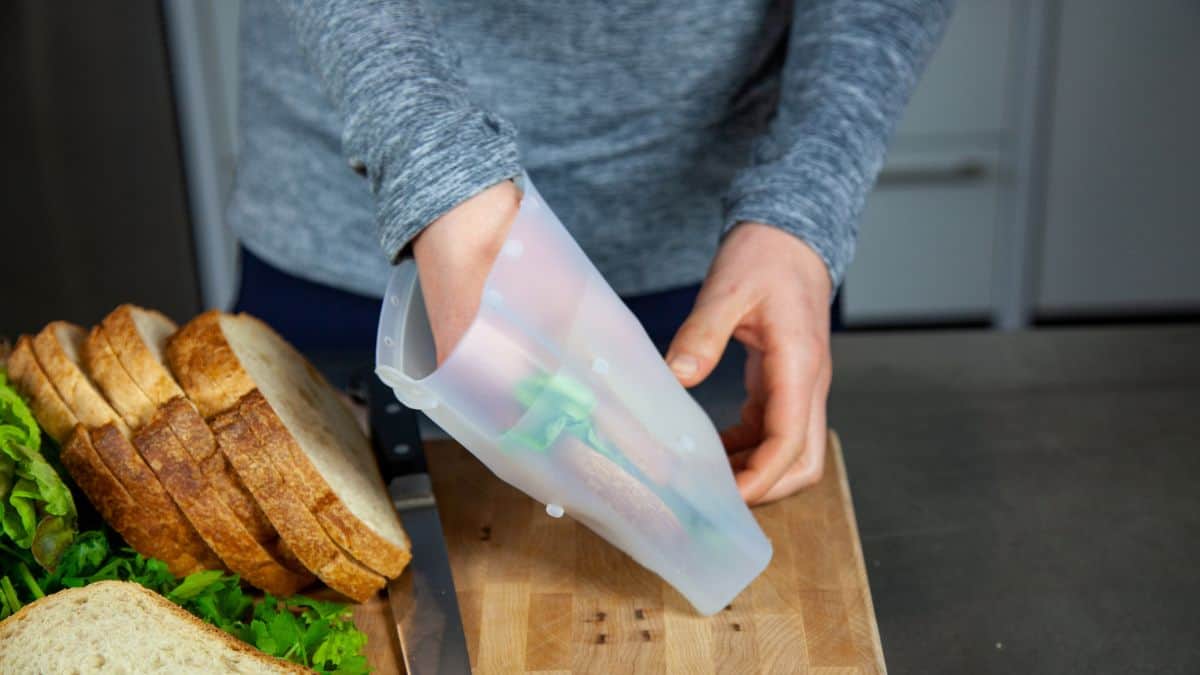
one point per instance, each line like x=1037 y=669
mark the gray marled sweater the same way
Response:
x=650 y=126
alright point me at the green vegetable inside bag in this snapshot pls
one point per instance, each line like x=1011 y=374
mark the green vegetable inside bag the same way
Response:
x=557 y=404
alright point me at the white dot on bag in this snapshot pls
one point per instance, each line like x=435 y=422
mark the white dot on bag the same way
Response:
x=387 y=341
x=554 y=511
x=395 y=300
x=513 y=248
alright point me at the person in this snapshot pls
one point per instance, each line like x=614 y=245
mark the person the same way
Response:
x=671 y=137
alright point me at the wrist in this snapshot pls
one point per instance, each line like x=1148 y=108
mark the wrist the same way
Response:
x=768 y=246
x=471 y=233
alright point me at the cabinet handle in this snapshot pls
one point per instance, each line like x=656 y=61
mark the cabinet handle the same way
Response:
x=967 y=171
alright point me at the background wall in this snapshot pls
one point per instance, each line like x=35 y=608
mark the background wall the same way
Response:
x=94 y=207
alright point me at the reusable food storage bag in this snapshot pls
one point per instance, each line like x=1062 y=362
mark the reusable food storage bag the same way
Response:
x=558 y=390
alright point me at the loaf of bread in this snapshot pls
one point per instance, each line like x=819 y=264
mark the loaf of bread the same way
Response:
x=215 y=446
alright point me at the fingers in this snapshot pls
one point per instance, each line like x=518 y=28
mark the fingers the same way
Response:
x=747 y=433
x=810 y=465
x=702 y=338
x=789 y=374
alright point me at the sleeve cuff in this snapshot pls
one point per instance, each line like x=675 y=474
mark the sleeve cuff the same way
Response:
x=823 y=216
x=452 y=162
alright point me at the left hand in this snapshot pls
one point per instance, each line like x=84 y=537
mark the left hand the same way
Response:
x=772 y=292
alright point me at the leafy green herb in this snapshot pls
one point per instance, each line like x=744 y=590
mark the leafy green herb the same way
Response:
x=313 y=633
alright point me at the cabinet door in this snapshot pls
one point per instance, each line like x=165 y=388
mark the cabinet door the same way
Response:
x=1122 y=232
x=962 y=91
x=925 y=246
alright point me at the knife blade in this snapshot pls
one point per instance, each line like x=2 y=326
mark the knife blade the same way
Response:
x=423 y=600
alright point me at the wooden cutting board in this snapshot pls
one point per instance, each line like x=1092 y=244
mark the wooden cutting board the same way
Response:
x=545 y=595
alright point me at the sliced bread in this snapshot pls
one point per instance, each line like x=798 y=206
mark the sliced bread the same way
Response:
x=167 y=534
x=59 y=351
x=206 y=489
x=130 y=402
x=193 y=432
x=216 y=523
x=312 y=437
x=160 y=516
x=287 y=512
x=48 y=407
x=120 y=509
x=120 y=627
x=138 y=337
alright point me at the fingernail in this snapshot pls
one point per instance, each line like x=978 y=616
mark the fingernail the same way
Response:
x=684 y=365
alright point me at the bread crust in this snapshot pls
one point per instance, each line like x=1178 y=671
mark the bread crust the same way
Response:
x=139 y=360
x=206 y=366
x=203 y=631
x=201 y=445
x=205 y=509
x=160 y=520
x=295 y=523
x=76 y=390
x=347 y=531
x=48 y=407
x=119 y=508
x=117 y=386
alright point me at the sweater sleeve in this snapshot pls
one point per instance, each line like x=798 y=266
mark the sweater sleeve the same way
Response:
x=409 y=123
x=850 y=68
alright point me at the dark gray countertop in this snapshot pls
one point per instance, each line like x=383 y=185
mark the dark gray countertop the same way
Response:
x=1027 y=503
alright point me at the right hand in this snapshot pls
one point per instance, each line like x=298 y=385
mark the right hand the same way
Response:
x=454 y=255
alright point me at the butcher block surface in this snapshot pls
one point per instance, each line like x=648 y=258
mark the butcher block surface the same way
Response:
x=545 y=595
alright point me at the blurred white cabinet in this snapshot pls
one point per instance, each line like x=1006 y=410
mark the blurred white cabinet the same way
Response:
x=1122 y=217
x=925 y=248
x=926 y=240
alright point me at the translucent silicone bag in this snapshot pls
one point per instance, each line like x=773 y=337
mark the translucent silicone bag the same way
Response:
x=558 y=390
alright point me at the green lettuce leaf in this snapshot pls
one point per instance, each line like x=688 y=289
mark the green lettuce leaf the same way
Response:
x=37 y=511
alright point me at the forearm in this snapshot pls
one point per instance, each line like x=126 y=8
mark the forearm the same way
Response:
x=850 y=69
x=408 y=121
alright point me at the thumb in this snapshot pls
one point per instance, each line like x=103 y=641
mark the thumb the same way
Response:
x=702 y=338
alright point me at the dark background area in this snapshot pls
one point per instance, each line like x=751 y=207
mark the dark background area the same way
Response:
x=95 y=205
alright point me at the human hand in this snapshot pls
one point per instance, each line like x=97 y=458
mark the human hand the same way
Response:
x=771 y=292
x=454 y=255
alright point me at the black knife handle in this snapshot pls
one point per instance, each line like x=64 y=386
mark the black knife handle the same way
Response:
x=395 y=435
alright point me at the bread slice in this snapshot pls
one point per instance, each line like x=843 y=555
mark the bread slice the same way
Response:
x=193 y=432
x=294 y=522
x=117 y=386
x=159 y=515
x=51 y=412
x=217 y=524
x=311 y=435
x=146 y=533
x=59 y=351
x=138 y=337
x=120 y=627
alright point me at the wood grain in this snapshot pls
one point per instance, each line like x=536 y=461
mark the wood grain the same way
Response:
x=544 y=595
